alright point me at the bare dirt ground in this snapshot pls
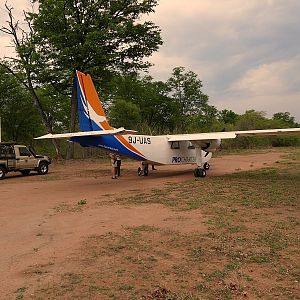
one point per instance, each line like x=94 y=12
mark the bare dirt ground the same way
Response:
x=45 y=219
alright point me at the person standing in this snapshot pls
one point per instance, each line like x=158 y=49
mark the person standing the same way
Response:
x=119 y=162
x=113 y=161
x=144 y=170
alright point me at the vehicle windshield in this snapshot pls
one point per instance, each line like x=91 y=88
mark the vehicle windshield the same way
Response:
x=31 y=149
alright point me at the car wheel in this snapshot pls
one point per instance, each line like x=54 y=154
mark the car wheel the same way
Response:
x=2 y=172
x=43 y=168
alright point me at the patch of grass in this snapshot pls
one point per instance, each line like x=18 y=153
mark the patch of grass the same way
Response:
x=274 y=239
x=250 y=248
x=216 y=275
x=82 y=202
x=72 y=278
x=21 y=289
x=197 y=254
x=126 y=287
x=20 y=292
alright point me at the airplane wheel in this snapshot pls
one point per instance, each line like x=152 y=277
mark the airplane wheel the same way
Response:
x=139 y=171
x=198 y=172
x=203 y=173
x=206 y=166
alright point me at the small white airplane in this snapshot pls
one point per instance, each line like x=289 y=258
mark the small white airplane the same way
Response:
x=195 y=148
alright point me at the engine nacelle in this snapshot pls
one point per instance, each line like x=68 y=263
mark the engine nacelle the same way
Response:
x=212 y=145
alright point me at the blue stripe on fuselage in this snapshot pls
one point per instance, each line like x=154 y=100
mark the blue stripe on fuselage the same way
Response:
x=85 y=121
x=109 y=143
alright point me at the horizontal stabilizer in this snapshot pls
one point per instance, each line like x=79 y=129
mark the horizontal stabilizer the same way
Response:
x=118 y=131
x=230 y=134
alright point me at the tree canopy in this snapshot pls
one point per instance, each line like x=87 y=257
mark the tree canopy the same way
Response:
x=104 y=38
x=100 y=37
x=20 y=121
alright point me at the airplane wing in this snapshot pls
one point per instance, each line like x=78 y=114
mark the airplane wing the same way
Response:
x=118 y=131
x=230 y=134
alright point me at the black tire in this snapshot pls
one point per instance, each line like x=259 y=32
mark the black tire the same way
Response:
x=206 y=166
x=202 y=173
x=2 y=172
x=43 y=168
x=25 y=172
x=198 y=172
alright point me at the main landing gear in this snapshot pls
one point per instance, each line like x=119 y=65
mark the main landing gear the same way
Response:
x=199 y=172
x=144 y=170
x=206 y=166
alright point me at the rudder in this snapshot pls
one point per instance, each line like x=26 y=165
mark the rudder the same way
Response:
x=91 y=113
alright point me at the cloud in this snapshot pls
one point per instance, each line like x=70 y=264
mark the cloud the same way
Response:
x=272 y=87
x=19 y=6
x=278 y=78
x=240 y=50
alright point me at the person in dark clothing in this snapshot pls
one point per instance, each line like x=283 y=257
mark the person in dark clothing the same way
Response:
x=119 y=162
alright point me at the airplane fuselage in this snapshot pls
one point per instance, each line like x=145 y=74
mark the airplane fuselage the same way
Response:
x=154 y=149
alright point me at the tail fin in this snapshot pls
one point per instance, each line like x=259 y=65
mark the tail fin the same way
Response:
x=91 y=113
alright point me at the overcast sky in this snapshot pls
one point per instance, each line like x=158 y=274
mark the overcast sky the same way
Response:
x=246 y=52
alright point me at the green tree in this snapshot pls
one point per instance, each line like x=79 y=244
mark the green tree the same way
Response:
x=20 y=121
x=100 y=37
x=228 y=116
x=206 y=121
x=24 y=66
x=125 y=114
x=96 y=36
x=185 y=89
x=252 y=119
x=158 y=111
x=285 y=119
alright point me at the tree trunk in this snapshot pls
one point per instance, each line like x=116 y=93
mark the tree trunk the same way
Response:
x=44 y=117
x=70 y=150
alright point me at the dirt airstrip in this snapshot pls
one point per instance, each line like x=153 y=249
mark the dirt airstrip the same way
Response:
x=42 y=224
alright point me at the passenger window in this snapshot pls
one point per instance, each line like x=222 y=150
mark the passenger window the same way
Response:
x=175 y=145
x=191 y=146
x=24 y=152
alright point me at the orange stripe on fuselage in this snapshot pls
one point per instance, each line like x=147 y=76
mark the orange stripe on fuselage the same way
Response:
x=92 y=97
x=126 y=144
